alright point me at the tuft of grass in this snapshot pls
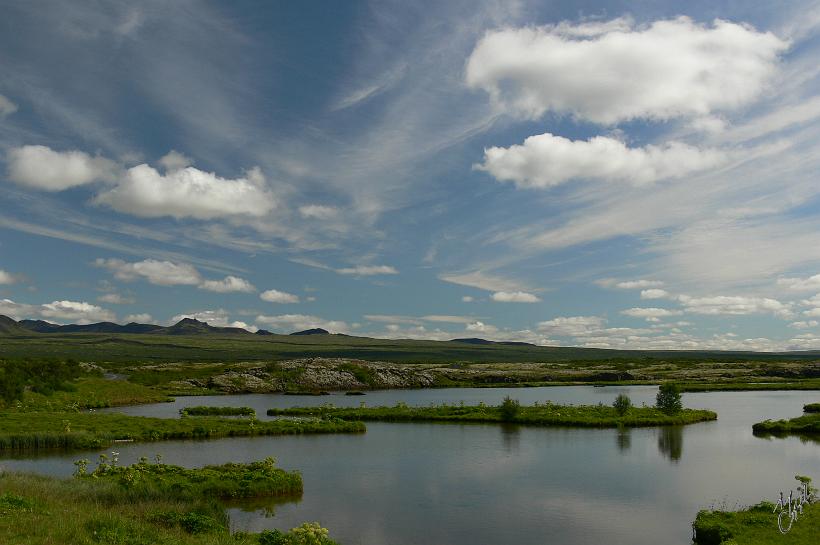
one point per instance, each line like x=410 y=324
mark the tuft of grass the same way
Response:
x=808 y=424
x=597 y=416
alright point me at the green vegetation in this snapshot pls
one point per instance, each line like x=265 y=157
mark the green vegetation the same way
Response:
x=756 y=525
x=546 y=414
x=89 y=393
x=668 y=399
x=811 y=408
x=217 y=411
x=40 y=376
x=168 y=506
x=806 y=424
x=622 y=404
x=509 y=409
x=735 y=386
x=64 y=430
x=253 y=480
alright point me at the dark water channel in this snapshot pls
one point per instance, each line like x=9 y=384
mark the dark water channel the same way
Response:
x=427 y=484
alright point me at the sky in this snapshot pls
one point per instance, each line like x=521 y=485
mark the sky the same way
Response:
x=641 y=175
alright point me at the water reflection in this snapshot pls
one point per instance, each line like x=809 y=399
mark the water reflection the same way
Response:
x=510 y=437
x=670 y=442
x=624 y=439
x=265 y=506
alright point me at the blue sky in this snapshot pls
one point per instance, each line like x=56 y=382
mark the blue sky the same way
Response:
x=606 y=174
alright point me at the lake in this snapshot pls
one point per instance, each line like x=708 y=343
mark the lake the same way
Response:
x=477 y=484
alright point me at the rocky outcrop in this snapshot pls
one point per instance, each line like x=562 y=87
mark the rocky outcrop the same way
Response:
x=313 y=374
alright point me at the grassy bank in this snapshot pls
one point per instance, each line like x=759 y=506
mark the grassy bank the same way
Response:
x=806 y=424
x=217 y=411
x=37 y=510
x=756 y=525
x=811 y=408
x=68 y=430
x=89 y=393
x=538 y=415
x=740 y=386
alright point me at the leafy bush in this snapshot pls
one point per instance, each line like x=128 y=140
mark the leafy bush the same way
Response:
x=509 y=409
x=622 y=404
x=41 y=376
x=668 y=399
x=306 y=534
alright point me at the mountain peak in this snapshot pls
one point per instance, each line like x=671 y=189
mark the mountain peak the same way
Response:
x=314 y=331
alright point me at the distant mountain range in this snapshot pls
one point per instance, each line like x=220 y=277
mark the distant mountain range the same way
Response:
x=186 y=326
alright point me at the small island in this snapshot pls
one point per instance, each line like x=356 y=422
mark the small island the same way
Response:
x=542 y=414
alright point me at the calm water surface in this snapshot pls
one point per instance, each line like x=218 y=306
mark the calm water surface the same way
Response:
x=426 y=484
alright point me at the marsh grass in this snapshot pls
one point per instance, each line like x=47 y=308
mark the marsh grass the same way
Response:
x=88 y=511
x=811 y=408
x=538 y=415
x=807 y=424
x=51 y=430
x=217 y=411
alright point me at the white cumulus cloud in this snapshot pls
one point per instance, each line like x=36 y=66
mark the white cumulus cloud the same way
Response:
x=735 y=305
x=141 y=318
x=654 y=293
x=546 y=160
x=617 y=71
x=116 y=299
x=78 y=312
x=812 y=283
x=161 y=273
x=42 y=168
x=650 y=314
x=276 y=296
x=187 y=193
x=229 y=284
x=514 y=297
x=572 y=326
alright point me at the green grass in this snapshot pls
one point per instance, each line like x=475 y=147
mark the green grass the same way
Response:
x=217 y=411
x=719 y=386
x=90 y=393
x=539 y=415
x=756 y=525
x=811 y=408
x=55 y=430
x=253 y=480
x=36 y=510
x=807 y=424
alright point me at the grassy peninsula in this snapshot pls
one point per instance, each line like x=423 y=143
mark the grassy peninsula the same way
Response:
x=546 y=414
x=144 y=504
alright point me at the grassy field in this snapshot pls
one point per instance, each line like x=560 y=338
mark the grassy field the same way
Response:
x=129 y=348
x=72 y=430
x=37 y=510
x=756 y=525
x=540 y=415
